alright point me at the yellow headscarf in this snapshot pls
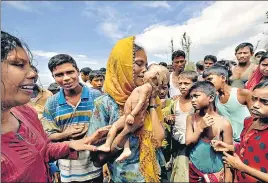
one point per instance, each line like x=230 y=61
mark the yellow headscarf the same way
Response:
x=119 y=83
x=119 y=74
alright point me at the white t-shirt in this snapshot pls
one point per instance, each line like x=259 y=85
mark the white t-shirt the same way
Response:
x=173 y=91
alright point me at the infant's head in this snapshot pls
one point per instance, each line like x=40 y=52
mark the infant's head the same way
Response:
x=157 y=74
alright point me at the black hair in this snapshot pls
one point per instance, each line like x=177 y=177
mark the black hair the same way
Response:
x=95 y=74
x=264 y=56
x=200 y=65
x=192 y=75
x=211 y=57
x=137 y=48
x=178 y=53
x=9 y=43
x=260 y=53
x=86 y=70
x=205 y=87
x=163 y=64
x=59 y=60
x=54 y=88
x=228 y=64
x=263 y=84
x=243 y=45
x=103 y=70
x=218 y=70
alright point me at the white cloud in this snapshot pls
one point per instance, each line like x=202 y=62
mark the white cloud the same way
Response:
x=80 y=59
x=45 y=54
x=24 y=6
x=220 y=26
x=36 y=7
x=155 y=4
x=110 y=22
x=42 y=58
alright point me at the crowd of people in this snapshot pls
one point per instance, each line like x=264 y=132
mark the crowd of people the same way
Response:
x=134 y=122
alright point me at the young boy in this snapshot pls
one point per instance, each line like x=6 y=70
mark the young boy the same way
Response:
x=153 y=79
x=96 y=79
x=85 y=75
x=182 y=108
x=203 y=126
x=251 y=154
x=231 y=103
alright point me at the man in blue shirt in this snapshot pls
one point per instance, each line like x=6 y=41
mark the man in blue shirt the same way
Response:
x=66 y=117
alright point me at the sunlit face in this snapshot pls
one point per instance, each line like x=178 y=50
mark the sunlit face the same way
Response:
x=217 y=81
x=178 y=64
x=243 y=55
x=264 y=67
x=17 y=79
x=163 y=91
x=184 y=85
x=139 y=67
x=259 y=108
x=67 y=76
x=199 y=100
x=208 y=63
x=84 y=77
x=97 y=82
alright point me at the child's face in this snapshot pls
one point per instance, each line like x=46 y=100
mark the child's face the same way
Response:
x=184 y=85
x=216 y=80
x=199 y=100
x=84 y=77
x=259 y=107
x=97 y=83
x=264 y=67
x=163 y=91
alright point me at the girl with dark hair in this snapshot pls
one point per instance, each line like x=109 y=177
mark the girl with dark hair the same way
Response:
x=25 y=147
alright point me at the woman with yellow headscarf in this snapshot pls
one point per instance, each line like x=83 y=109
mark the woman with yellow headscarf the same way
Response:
x=125 y=70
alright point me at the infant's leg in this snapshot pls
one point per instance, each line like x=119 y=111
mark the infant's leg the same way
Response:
x=126 y=152
x=118 y=125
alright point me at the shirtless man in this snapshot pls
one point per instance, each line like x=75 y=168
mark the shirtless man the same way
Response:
x=178 y=63
x=202 y=127
x=154 y=78
x=243 y=53
x=231 y=102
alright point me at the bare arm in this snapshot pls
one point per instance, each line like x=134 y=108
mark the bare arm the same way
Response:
x=59 y=136
x=228 y=139
x=158 y=128
x=144 y=91
x=69 y=132
x=244 y=97
x=236 y=162
x=191 y=136
x=255 y=173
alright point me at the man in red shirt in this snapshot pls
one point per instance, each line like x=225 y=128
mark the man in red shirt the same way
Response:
x=251 y=154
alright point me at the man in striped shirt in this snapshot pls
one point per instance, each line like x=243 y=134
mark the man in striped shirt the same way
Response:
x=66 y=117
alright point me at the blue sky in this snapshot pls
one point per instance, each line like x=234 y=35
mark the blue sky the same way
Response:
x=88 y=30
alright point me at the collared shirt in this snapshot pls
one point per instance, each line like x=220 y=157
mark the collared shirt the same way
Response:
x=106 y=112
x=57 y=116
x=253 y=150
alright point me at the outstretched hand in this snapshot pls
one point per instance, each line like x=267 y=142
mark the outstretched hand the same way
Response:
x=221 y=146
x=85 y=143
x=233 y=161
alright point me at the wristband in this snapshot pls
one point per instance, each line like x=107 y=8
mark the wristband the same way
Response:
x=153 y=106
x=118 y=148
x=132 y=115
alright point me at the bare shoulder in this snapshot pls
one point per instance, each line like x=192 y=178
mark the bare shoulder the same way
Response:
x=146 y=87
x=243 y=92
x=189 y=118
x=226 y=125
